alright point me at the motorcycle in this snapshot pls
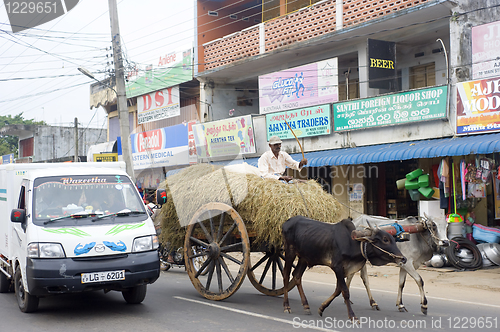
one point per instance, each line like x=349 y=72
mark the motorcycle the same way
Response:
x=171 y=257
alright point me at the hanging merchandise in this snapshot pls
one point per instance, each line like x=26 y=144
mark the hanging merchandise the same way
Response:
x=463 y=171
x=485 y=169
x=470 y=176
x=417 y=183
x=454 y=217
x=477 y=190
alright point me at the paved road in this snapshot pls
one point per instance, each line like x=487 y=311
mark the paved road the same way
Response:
x=172 y=304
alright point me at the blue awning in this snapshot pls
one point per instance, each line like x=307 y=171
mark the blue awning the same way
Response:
x=440 y=147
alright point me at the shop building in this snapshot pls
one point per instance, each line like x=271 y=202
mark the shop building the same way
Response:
x=405 y=83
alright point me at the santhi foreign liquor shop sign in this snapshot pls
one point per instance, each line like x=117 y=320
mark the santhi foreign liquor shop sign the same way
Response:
x=305 y=122
x=406 y=107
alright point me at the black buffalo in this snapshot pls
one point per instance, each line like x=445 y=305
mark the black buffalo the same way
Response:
x=334 y=245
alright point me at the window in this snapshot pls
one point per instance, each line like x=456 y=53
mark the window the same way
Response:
x=353 y=89
x=212 y=13
x=422 y=76
x=276 y=8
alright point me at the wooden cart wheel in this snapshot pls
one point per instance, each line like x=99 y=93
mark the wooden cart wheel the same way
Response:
x=221 y=233
x=271 y=276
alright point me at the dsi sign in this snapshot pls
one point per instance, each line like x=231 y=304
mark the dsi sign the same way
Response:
x=162 y=104
x=161 y=147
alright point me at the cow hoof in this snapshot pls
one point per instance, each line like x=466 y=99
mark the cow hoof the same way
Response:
x=402 y=308
x=320 y=312
x=424 y=310
x=307 y=310
x=375 y=307
x=288 y=310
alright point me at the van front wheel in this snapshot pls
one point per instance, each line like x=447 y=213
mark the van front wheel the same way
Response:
x=135 y=295
x=26 y=301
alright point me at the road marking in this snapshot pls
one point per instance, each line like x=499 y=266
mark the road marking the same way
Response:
x=249 y=313
x=429 y=297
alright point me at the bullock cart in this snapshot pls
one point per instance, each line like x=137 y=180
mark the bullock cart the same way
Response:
x=220 y=215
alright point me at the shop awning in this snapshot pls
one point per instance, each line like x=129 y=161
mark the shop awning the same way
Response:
x=441 y=147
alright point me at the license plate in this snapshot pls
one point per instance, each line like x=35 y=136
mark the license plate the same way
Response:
x=103 y=276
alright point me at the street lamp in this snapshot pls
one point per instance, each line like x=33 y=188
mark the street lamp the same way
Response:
x=124 y=124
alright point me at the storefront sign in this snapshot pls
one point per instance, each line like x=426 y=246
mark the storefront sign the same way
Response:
x=193 y=157
x=304 y=86
x=160 y=147
x=305 y=122
x=478 y=105
x=394 y=109
x=7 y=159
x=485 y=50
x=228 y=137
x=382 y=64
x=165 y=70
x=105 y=157
x=158 y=105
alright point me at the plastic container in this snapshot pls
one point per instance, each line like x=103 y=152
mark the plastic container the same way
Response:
x=427 y=192
x=414 y=194
x=414 y=174
x=400 y=184
x=456 y=229
x=411 y=184
x=485 y=234
x=423 y=180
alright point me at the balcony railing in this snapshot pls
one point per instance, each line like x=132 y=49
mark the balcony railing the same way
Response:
x=304 y=24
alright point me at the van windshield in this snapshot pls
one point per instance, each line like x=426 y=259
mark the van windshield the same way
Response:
x=59 y=196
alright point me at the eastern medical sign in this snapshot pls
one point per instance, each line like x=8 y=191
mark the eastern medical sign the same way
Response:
x=485 y=50
x=478 y=105
x=158 y=105
x=228 y=137
x=304 y=86
x=382 y=64
x=166 y=70
x=305 y=122
x=406 y=107
x=160 y=147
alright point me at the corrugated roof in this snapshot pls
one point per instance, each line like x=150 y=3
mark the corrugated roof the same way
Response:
x=441 y=147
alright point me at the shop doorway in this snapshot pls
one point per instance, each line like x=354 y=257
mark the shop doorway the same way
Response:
x=383 y=198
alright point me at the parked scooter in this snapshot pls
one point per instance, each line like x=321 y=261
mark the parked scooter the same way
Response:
x=171 y=257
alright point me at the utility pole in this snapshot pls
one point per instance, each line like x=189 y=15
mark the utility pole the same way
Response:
x=76 y=140
x=121 y=98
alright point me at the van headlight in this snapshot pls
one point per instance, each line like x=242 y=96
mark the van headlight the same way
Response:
x=145 y=243
x=45 y=250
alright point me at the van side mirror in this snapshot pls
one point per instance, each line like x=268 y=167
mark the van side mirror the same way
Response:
x=18 y=215
x=161 y=196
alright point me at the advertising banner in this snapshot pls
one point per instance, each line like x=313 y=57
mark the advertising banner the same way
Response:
x=382 y=60
x=304 y=86
x=485 y=50
x=477 y=106
x=400 y=108
x=193 y=157
x=166 y=70
x=160 y=147
x=228 y=137
x=158 y=105
x=305 y=122
x=105 y=157
x=7 y=159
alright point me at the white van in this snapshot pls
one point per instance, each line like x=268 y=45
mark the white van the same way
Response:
x=73 y=227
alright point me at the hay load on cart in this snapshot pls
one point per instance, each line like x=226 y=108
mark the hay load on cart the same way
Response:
x=222 y=213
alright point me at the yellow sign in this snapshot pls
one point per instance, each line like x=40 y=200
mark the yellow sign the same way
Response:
x=106 y=157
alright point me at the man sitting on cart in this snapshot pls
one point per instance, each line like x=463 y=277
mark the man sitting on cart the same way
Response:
x=273 y=163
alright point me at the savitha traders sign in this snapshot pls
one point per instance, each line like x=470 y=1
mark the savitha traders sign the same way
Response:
x=160 y=147
x=304 y=86
x=305 y=122
x=478 y=105
x=162 y=104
